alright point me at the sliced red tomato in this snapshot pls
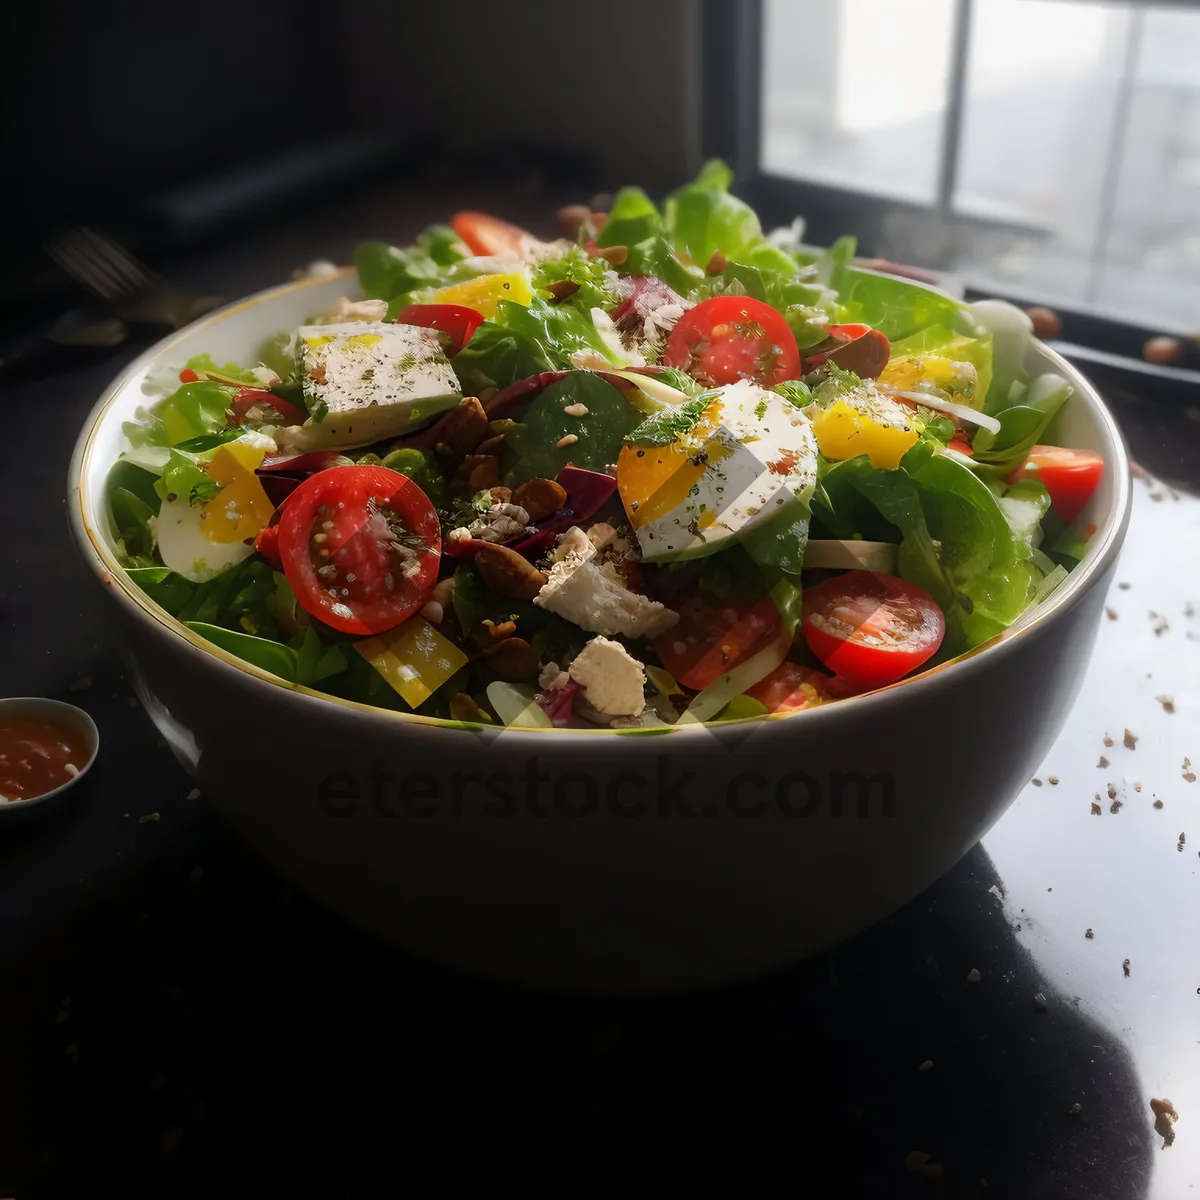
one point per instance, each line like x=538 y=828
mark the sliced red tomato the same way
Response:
x=960 y=443
x=781 y=691
x=708 y=640
x=1070 y=476
x=454 y=319
x=248 y=398
x=267 y=544
x=871 y=628
x=489 y=235
x=729 y=338
x=361 y=547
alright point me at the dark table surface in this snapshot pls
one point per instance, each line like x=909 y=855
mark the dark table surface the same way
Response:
x=176 y=1021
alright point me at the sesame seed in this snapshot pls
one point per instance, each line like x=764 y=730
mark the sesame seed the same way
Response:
x=569 y=440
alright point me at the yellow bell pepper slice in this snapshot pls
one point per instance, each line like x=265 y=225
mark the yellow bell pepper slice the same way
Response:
x=486 y=292
x=241 y=509
x=842 y=432
x=414 y=659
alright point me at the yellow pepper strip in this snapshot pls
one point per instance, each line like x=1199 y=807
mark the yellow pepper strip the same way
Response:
x=842 y=432
x=241 y=509
x=486 y=292
x=414 y=659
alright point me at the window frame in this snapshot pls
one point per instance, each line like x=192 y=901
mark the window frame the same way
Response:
x=731 y=128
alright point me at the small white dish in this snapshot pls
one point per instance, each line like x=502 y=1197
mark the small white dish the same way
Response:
x=74 y=719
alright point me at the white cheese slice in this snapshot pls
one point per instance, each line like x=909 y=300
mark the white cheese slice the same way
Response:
x=365 y=381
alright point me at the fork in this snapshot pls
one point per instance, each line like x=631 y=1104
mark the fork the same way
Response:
x=129 y=289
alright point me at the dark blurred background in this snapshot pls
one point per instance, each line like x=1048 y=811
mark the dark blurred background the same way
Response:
x=1043 y=150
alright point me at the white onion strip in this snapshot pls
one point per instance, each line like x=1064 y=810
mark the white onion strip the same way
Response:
x=963 y=460
x=961 y=411
x=851 y=554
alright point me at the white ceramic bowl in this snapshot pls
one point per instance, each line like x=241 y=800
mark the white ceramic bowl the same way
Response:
x=595 y=860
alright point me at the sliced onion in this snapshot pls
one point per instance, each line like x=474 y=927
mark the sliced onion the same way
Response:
x=963 y=460
x=516 y=705
x=661 y=395
x=706 y=704
x=850 y=554
x=961 y=411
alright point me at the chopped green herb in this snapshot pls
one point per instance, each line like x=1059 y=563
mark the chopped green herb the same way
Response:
x=669 y=424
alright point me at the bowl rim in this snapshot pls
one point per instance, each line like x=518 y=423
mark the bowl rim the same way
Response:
x=28 y=704
x=104 y=564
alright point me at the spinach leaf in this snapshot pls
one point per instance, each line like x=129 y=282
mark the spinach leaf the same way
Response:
x=423 y=471
x=779 y=542
x=1021 y=426
x=132 y=519
x=270 y=656
x=314 y=660
x=163 y=586
x=530 y=448
x=443 y=245
x=474 y=602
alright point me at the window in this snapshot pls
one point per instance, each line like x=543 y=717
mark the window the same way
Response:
x=1042 y=149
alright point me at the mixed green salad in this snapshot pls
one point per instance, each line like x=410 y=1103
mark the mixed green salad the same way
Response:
x=669 y=469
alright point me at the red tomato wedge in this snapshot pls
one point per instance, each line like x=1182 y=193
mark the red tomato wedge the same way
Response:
x=360 y=546
x=781 y=691
x=249 y=398
x=454 y=319
x=708 y=641
x=871 y=628
x=489 y=235
x=267 y=544
x=1070 y=476
x=730 y=338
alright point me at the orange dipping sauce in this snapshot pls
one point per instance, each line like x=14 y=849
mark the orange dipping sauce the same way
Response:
x=38 y=754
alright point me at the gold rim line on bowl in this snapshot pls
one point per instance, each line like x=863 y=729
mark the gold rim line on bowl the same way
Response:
x=110 y=572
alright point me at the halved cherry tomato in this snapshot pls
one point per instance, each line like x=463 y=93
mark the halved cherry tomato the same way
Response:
x=960 y=443
x=187 y=375
x=247 y=398
x=781 y=691
x=708 y=640
x=454 y=319
x=729 y=338
x=871 y=628
x=267 y=544
x=1070 y=476
x=489 y=235
x=361 y=547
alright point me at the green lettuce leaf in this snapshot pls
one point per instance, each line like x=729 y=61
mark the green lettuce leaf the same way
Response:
x=496 y=356
x=386 y=271
x=578 y=267
x=898 y=308
x=702 y=218
x=632 y=218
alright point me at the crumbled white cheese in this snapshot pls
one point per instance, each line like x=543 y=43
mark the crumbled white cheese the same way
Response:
x=595 y=597
x=613 y=681
x=355 y=310
x=553 y=677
